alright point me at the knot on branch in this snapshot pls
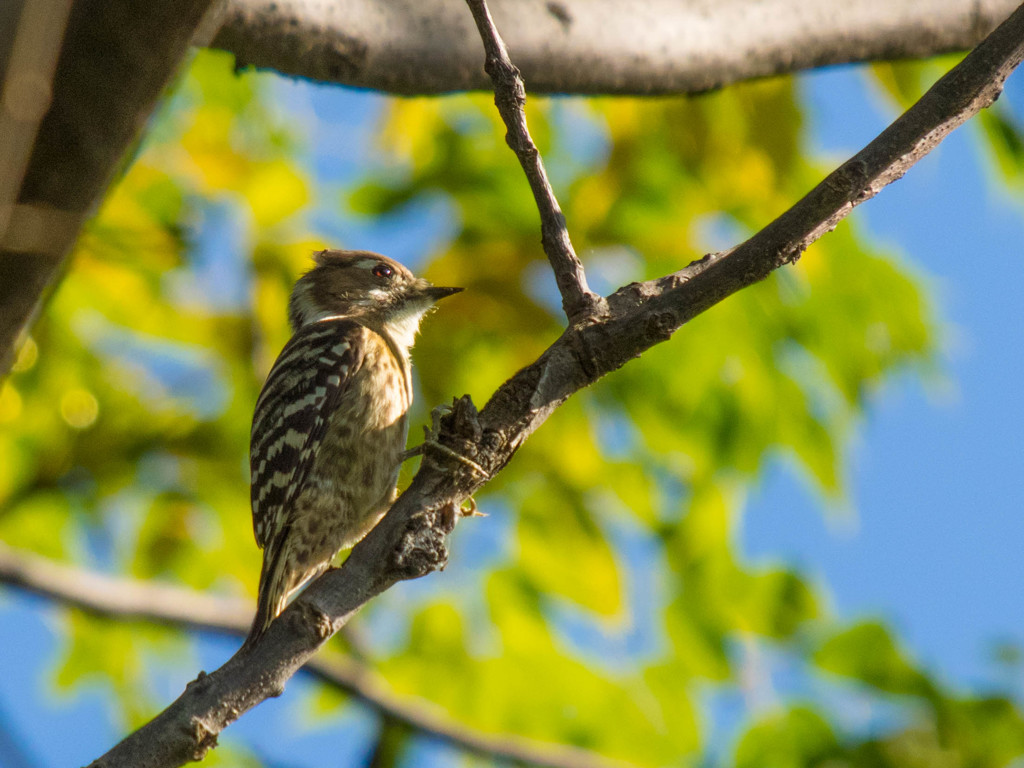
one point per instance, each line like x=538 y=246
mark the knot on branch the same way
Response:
x=204 y=739
x=789 y=255
x=462 y=420
x=508 y=74
x=200 y=684
x=308 y=619
x=423 y=546
x=661 y=325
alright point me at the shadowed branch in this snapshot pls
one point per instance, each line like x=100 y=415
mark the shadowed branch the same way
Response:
x=123 y=599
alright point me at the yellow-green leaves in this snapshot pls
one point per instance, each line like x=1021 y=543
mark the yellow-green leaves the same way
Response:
x=792 y=739
x=614 y=591
x=867 y=652
x=672 y=439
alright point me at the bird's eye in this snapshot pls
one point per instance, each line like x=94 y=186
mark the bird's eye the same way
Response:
x=383 y=270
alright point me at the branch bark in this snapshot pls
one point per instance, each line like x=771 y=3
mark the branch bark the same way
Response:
x=578 y=301
x=410 y=541
x=124 y=599
x=116 y=58
x=118 y=55
x=25 y=93
x=592 y=46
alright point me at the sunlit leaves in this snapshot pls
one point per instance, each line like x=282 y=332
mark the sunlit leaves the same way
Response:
x=126 y=434
x=533 y=673
x=792 y=739
x=867 y=652
x=1005 y=139
x=108 y=654
x=553 y=527
x=783 y=367
x=37 y=523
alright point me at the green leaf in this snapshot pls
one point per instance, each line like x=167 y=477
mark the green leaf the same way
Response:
x=868 y=653
x=794 y=738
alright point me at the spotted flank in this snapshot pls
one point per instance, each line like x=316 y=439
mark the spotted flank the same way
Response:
x=292 y=415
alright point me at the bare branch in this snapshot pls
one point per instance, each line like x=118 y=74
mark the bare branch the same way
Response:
x=510 y=98
x=410 y=540
x=25 y=93
x=116 y=58
x=123 y=598
x=118 y=54
x=593 y=46
x=120 y=598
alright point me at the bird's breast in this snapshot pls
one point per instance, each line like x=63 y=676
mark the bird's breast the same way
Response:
x=358 y=461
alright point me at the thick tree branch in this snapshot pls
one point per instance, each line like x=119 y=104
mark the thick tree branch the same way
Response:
x=593 y=46
x=410 y=540
x=120 y=598
x=25 y=92
x=578 y=301
x=116 y=57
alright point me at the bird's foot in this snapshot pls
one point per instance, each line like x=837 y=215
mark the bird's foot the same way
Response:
x=430 y=439
x=468 y=508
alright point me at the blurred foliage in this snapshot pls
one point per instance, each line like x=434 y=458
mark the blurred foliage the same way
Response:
x=604 y=597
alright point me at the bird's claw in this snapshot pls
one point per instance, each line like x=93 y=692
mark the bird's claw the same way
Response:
x=438 y=413
x=416 y=450
x=468 y=508
x=430 y=439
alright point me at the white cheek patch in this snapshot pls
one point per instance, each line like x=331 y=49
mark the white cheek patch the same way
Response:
x=377 y=293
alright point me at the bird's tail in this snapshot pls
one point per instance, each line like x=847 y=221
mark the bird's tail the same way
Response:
x=273 y=593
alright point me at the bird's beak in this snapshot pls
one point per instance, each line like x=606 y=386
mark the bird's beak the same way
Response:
x=437 y=292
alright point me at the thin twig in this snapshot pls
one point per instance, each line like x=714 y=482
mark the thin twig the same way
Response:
x=409 y=540
x=121 y=598
x=578 y=301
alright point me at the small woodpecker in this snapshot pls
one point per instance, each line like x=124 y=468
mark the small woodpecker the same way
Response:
x=330 y=424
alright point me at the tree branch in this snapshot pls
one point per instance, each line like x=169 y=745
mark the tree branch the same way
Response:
x=593 y=46
x=578 y=301
x=25 y=92
x=117 y=55
x=410 y=540
x=123 y=599
x=116 y=58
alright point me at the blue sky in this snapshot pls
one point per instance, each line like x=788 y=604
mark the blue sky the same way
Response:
x=938 y=467
x=937 y=474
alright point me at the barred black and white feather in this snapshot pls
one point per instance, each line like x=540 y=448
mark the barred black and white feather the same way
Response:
x=330 y=425
x=292 y=414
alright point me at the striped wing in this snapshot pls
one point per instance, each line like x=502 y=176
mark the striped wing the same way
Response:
x=292 y=414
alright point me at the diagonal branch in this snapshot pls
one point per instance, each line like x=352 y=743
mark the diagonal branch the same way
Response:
x=25 y=93
x=122 y=599
x=410 y=540
x=115 y=58
x=510 y=97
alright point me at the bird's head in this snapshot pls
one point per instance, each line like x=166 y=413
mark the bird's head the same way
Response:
x=373 y=289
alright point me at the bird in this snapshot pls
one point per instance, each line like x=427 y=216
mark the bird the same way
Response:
x=330 y=424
